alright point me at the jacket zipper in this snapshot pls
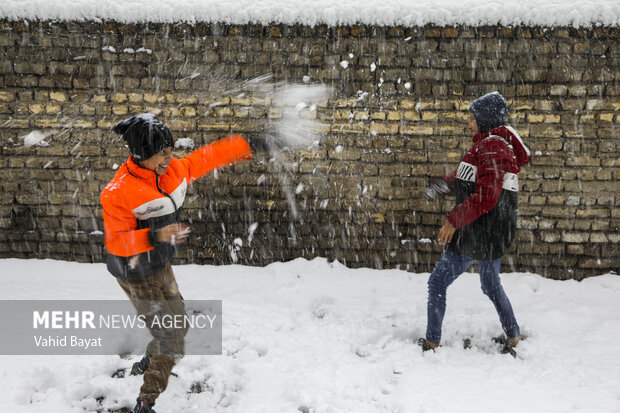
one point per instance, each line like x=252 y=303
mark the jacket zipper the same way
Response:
x=161 y=191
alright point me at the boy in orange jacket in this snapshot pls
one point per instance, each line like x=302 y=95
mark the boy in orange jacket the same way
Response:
x=141 y=213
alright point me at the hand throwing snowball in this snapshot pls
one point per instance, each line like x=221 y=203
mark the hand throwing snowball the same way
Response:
x=482 y=225
x=141 y=214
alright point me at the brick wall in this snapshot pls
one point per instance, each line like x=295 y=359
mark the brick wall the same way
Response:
x=397 y=115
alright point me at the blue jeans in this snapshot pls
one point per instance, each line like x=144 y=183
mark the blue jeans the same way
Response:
x=448 y=269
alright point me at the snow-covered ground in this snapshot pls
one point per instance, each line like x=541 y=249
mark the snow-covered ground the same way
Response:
x=314 y=336
x=575 y=13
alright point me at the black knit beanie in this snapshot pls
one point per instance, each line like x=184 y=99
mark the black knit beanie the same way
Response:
x=145 y=134
x=490 y=111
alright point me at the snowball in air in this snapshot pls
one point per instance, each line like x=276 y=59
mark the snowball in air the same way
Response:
x=36 y=138
x=184 y=143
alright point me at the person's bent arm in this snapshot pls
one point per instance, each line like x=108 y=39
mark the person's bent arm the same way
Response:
x=494 y=161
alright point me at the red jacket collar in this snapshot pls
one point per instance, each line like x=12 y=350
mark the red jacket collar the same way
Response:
x=481 y=136
x=499 y=131
x=511 y=136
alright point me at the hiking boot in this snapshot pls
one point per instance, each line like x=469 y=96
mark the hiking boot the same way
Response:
x=427 y=345
x=515 y=341
x=141 y=366
x=143 y=407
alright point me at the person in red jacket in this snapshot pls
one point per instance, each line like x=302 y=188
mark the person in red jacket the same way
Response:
x=141 y=214
x=482 y=225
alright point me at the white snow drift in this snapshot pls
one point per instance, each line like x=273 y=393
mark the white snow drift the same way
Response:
x=317 y=337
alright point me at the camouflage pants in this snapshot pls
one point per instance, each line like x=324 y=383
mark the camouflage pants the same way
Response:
x=158 y=295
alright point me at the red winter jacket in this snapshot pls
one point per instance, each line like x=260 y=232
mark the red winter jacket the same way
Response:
x=486 y=186
x=138 y=201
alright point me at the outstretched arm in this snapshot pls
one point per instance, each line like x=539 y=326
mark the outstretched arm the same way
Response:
x=224 y=152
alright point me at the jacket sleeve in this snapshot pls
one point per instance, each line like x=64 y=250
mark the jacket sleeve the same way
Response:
x=121 y=236
x=221 y=153
x=451 y=181
x=493 y=162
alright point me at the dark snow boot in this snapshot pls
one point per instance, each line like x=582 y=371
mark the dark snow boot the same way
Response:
x=141 y=366
x=143 y=407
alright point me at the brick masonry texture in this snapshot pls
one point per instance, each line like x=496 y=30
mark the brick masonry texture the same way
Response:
x=398 y=114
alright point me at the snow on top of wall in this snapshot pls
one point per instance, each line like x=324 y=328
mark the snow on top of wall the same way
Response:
x=576 y=13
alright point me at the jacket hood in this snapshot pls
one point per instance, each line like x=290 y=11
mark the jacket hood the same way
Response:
x=521 y=151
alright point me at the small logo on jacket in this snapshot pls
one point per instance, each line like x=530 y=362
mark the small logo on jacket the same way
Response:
x=149 y=210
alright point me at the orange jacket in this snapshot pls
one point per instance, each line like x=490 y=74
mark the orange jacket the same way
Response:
x=137 y=201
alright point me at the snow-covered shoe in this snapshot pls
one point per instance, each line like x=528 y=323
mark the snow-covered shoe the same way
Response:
x=141 y=366
x=506 y=345
x=143 y=407
x=426 y=345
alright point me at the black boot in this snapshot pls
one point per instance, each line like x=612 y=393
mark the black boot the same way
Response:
x=141 y=366
x=143 y=407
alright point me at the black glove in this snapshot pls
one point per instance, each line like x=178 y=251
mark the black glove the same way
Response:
x=258 y=145
x=265 y=144
x=438 y=187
